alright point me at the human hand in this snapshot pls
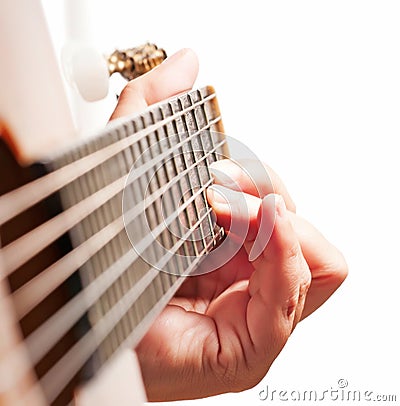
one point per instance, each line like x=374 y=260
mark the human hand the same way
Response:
x=224 y=329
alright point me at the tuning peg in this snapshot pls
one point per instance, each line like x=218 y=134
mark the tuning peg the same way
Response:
x=88 y=71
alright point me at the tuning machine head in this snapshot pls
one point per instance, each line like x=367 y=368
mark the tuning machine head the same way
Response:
x=133 y=62
x=89 y=71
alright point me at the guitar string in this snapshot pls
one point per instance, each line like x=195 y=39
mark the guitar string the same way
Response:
x=24 y=248
x=202 y=105
x=65 y=317
x=47 y=335
x=61 y=372
x=199 y=121
x=36 y=289
x=15 y=202
x=190 y=157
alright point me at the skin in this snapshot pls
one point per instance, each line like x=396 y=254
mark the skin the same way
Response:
x=223 y=329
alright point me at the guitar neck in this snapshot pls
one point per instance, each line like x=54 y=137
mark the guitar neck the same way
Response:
x=104 y=233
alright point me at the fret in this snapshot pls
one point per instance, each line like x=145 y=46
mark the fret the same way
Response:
x=109 y=171
x=89 y=226
x=100 y=260
x=71 y=361
x=30 y=294
x=150 y=253
x=16 y=201
x=178 y=165
x=143 y=325
x=113 y=270
x=125 y=164
x=77 y=191
x=119 y=289
x=187 y=160
x=165 y=239
x=122 y=246
x=207 y=144
x=201 y=174
x=202 y=171
x=108 y=255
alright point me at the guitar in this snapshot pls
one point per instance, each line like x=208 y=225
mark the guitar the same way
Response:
x=96 y=235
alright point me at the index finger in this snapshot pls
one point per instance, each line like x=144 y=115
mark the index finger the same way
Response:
x=250 y=176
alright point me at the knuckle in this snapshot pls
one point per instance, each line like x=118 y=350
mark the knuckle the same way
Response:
x=293 y=255
x=300 y=287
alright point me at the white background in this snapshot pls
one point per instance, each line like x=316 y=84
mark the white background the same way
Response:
x=313 y=87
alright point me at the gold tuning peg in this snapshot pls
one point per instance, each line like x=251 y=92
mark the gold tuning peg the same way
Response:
x=133 y=62
x=89 y=71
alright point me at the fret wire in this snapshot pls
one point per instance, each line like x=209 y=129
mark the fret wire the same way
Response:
x=190 y=156
x=124 y=243
x=203 y=150
x=178 y=263
x=80 y=189
x=46 y=233
x=15 y=202
x=120 y=331
x=170 y=172
x=120 y=324
x=107 y=172
x=191 y=209
x=128 y=155
x=138 y=154
x=204 y=113
x=197 y=152
x=35 y=290
x=73 y=193
x=31 y=293
x=179 y=165
x=159 y=229
x=77 y=191
x=165 y=236
x=101 y=216
x=36 y=244
x=72 y=361
x=140 y=330
x=161 y=239
x=94 y=291
x=36 y=339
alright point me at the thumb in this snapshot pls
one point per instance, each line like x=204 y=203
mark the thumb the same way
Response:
x=175 y=75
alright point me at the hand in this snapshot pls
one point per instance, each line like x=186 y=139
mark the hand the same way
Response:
x=223 y=329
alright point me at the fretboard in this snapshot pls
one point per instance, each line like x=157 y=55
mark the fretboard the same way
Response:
x=97 y=245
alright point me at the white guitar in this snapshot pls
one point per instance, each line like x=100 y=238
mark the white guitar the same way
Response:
x=80 y=279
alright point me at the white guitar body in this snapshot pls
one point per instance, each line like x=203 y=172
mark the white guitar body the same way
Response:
x=32 y=104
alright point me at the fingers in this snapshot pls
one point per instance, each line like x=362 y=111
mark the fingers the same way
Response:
x=279 y=284
x=175 y=75
x=235 y=211
x=250 y=176
x=327 y=264
x=240 y=212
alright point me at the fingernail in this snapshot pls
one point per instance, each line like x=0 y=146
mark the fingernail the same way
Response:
x=280 y=206
x=276 y=207
x=226 y=173
x=255 y=252
x=222 y=195
x=175 y=56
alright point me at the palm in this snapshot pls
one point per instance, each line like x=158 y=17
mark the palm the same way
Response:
x=204 y=328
